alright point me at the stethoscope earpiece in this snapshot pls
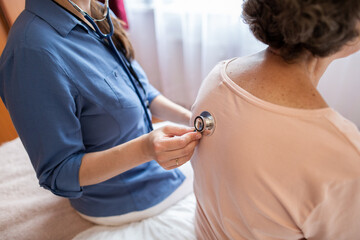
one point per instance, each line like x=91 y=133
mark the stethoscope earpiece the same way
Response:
x=205 y=123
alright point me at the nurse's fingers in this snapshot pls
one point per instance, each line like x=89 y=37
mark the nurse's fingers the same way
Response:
x=177 y=162
x=163 y=145
x=176 y=158
x=171 y=130
x=170 y=143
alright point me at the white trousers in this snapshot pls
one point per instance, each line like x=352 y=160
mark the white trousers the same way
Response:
x=181 y=192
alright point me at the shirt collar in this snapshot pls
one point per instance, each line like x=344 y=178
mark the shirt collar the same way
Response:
x=60 y=19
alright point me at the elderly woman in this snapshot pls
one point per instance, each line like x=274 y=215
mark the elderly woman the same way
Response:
x=281 y=164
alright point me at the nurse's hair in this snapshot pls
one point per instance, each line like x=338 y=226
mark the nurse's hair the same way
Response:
x=120 y=38
x=293 y=26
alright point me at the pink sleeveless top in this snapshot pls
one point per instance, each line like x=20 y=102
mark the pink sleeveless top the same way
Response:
x=273 y=172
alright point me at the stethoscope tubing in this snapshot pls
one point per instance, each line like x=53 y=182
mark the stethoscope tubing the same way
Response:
x=121 y=60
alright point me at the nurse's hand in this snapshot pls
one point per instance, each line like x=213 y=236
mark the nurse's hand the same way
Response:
x=172 y=146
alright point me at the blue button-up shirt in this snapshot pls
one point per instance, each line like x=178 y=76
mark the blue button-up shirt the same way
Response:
x=67 y=96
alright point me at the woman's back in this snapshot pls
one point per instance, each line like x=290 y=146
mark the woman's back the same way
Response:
x=271 y=171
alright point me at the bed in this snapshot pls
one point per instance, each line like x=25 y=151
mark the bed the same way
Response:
x=28 y=211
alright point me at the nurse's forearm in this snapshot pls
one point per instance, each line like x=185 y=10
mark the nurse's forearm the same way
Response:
x=170 y=146
x=165 y=109
x=100 y=166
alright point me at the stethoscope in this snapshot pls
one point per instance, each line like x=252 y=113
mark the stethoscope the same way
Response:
x=204 y=123
x=125 y=64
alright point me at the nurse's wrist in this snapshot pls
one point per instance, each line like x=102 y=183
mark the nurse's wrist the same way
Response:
x=147 y=151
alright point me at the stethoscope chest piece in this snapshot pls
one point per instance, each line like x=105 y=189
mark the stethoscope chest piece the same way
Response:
x=205 y=123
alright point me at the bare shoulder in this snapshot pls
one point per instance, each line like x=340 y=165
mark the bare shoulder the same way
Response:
x=266 y=80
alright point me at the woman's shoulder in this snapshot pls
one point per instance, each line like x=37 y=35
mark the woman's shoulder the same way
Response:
x=263 y=80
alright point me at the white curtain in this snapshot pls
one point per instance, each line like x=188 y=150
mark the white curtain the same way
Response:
x=179 y=41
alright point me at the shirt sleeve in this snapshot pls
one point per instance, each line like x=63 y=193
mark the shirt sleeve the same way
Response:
x=337 y=217
x=42 y=103
x=151 y=91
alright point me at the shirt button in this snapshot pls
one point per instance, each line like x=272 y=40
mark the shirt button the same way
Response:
x=115 y=74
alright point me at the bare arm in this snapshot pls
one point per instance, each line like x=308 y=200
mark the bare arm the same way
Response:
x=165 y=109
x=168 y=145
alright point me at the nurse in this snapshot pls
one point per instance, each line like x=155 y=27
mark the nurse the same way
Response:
x=83 y=125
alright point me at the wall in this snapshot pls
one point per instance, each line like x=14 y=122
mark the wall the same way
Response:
x=9 y=10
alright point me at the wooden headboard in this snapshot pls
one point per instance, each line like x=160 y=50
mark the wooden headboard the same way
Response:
x=9 y=11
